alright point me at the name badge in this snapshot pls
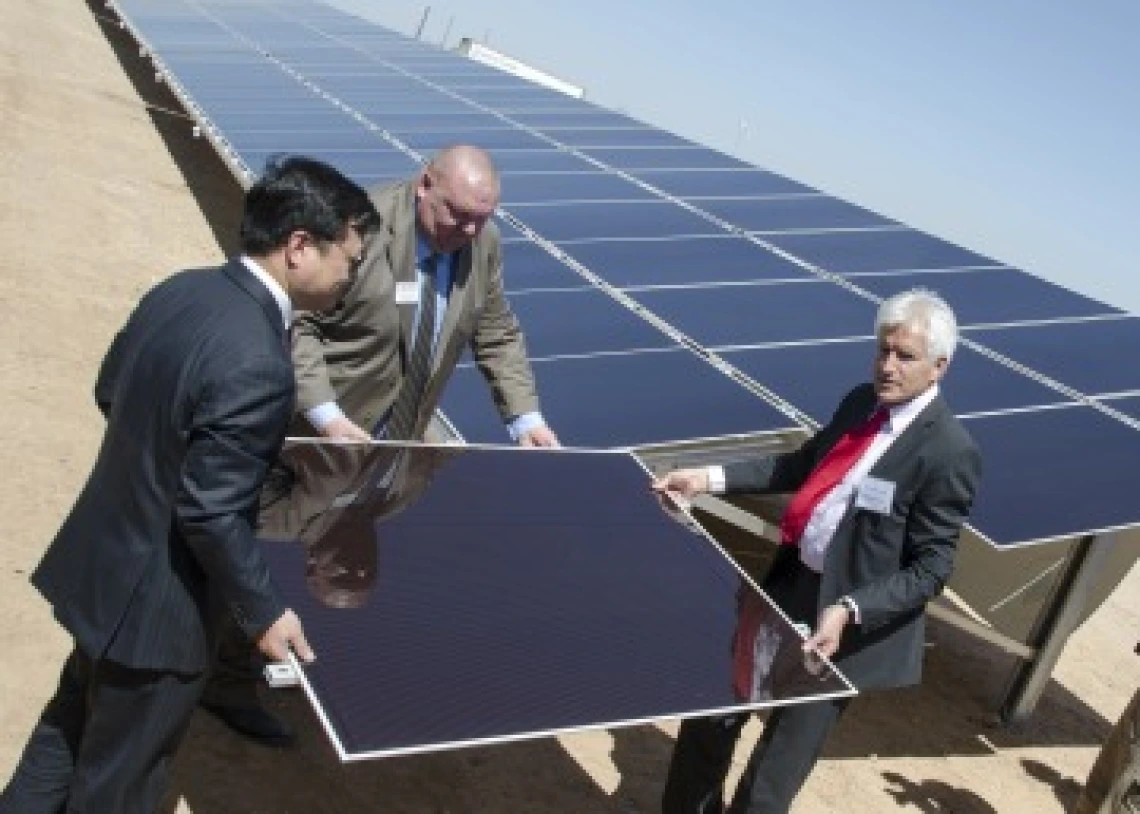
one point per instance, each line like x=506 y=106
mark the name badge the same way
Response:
x=875 y=495
x=407 y=293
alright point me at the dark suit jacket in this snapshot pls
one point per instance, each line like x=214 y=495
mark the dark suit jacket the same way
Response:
x=355 y=355
x=197 y=390
x=890 y=564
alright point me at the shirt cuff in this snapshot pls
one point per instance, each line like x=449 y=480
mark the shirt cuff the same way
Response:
x=852 y=607
x=324 y=414
x=716 y=480
x=522 y=424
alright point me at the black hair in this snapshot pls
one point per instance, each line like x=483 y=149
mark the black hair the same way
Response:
x=295 y=192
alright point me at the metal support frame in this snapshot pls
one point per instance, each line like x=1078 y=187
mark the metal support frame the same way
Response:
x=1057 y=621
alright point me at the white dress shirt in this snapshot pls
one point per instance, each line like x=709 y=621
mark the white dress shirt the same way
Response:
x=279 y=294
x=829 y=511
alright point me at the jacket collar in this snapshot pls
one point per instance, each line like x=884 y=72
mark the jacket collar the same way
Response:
x=244 y=279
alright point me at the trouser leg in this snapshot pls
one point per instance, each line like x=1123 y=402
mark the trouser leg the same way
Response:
x=784 y=757
x=236 y=670
x=41 y=781
x=700 y=763
x=136 y=720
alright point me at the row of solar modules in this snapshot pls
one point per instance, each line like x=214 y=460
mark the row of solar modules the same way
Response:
x=761 y=272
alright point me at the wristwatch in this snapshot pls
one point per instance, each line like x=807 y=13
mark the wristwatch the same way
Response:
x=852 y=608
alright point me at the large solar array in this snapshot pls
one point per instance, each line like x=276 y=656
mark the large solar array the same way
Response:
x=669 y=291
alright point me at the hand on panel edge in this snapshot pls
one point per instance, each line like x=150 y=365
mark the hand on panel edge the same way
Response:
x=284 y=635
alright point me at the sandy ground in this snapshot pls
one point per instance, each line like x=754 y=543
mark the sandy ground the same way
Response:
x=100 y=195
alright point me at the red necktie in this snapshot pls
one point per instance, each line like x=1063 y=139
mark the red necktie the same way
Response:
x=827 y=474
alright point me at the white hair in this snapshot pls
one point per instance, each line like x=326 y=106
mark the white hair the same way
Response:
x=921 y=308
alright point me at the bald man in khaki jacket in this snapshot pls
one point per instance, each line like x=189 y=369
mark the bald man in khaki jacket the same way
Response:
x=350 y=363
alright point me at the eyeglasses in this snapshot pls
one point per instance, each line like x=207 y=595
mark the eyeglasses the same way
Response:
x=458 y=218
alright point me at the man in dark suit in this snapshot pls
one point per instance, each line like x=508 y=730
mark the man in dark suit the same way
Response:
x=880 y=497
x=430 y=285
x=198 y=390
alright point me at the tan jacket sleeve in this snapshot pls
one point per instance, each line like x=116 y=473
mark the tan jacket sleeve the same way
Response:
x=313 y=384
x=499 y=348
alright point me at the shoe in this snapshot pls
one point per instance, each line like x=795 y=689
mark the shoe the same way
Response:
x=254 y=722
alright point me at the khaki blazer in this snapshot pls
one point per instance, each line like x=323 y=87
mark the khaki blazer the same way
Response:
x=356 y=354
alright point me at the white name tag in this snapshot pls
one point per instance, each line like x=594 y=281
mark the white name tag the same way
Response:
x=407 y=293
x=875 y=494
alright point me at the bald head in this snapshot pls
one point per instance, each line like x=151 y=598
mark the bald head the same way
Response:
x=457 y=192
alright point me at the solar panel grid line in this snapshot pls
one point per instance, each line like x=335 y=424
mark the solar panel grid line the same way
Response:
x=715 y=284
x=771 y=196
x=1030 y=408
x=823 y=230
x=1023 y=323
x=939 y=270
x=597 y=354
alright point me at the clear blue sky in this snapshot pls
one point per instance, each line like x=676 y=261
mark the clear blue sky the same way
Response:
x=1011 y=127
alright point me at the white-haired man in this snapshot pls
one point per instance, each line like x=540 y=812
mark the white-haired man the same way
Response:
x=879 y=498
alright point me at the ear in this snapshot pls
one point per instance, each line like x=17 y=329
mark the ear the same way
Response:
x=295 y=245
x=940 y=366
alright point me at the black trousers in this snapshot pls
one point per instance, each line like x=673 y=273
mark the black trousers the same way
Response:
x=104 y=741
x=786 y=752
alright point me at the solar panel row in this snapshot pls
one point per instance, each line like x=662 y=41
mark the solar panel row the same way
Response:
x=749 y=268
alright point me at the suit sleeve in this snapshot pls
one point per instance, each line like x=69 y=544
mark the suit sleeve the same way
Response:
x=940 y=509
x=788 y=471
x=109 y=373
x=236 y=433
x=499 y=349
x=313 y=384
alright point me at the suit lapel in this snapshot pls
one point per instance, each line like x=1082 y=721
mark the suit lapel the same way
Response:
x=401 y=254
x=244 y=279
x=911 y=439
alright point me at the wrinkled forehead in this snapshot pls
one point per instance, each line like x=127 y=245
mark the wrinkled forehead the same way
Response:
x=469 y=189
x=911 y=334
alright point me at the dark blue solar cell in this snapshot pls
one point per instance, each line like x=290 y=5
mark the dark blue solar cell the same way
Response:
x=674 y=262
x=296 y=141
x=487 y=139
x=528 y=266
x=1026 y=457
x=618 y=137
x=707 y=183
x=397 y=120
x=581 y=321
x=1088 y=356
x=757 y=314
x=320 y=119
x=565 y=186
x=665 y=158
x=594 y=119
x=648 y=398
x=774 y=214
x=375 y=162
x=493 y=606
x=851 y=252
x=571 y=221
x=815 y=377
x=997 y=295
x=509 y=161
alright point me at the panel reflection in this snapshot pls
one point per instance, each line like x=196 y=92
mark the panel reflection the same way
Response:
x=459 y=595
